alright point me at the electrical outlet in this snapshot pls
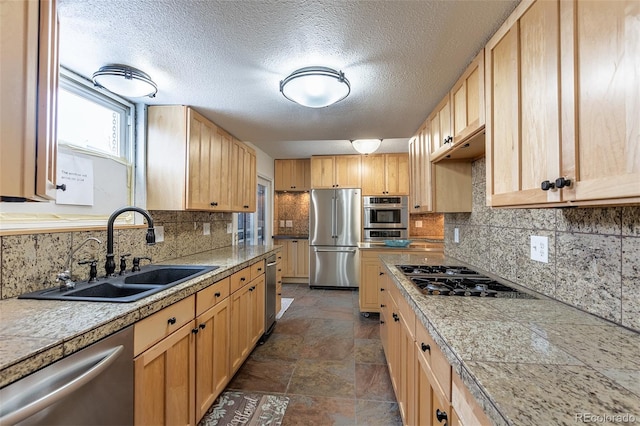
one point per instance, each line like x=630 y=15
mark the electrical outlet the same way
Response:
x=282 y=224
x=456 y=235
x=540 y=249
x=195 y=226
x=418 y=224
x=159 y=231
x=206 y=228
x=229 y=228
x=289 y=224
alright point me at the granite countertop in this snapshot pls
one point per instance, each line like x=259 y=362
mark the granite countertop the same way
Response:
x=290 y=237
x=415 y=245
x=36 y=333
x=531 y=361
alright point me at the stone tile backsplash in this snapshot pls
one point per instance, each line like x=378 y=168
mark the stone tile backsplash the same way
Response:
x=292 y=208
x=30 y=262
x=432 y=225
x=594 y=253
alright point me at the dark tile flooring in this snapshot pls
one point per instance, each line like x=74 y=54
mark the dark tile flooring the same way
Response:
x=327 y=358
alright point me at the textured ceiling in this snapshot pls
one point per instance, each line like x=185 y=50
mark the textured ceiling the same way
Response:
x=226 y=59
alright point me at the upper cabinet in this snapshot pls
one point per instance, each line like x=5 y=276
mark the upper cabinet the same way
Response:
x=443 y=187
x=336 y=171
x=28 y=105
x=457 y=123
x=562 y=105
x=194 y=165
x=385 y=174
x=293 y=175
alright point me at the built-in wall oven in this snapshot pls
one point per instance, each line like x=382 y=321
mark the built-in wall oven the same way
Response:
x=385 y=218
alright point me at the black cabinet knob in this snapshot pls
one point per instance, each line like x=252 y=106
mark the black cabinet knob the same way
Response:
x=441 y=415
x=202 y=326
x=562 y=182
x=425 y=347
x=213 y=203
x=416 y=206
x=381 y=322
x=195 y=330
x=546 y=185
x=380 y=273
x=383 y=305
x=217 y=294
x=172 y=320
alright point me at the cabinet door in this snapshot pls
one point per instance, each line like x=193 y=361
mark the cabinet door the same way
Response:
x=423 y=397
x=302 y=259
x=220 y=186
x=302 y=181
x=250 y=186
x=212 y=355
x=322 y=171
x=373 y=168
x=440 y=127
x=164 y=381
x=348 y=171
x=29 y=82
x=278 y=285
x=467 y=96
x=201 y=156
x=282 y=173
x=397 y=174
x=239 y=337
x=289 y=253
x=369 y=290
x=256 y=310
x=601 y=134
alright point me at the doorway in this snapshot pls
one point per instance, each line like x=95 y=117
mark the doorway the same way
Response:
x=255 y=228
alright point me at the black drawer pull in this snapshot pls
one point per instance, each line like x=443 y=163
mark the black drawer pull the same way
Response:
x=172 y=320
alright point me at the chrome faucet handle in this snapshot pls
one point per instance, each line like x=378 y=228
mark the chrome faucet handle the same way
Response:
x=64 y=278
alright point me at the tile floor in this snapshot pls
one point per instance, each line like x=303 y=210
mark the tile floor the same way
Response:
x=327 y=358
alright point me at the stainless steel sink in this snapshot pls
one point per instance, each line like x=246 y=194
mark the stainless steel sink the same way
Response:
x=126 y=288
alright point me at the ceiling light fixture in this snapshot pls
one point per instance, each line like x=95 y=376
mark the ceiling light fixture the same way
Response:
x=125 y=81
x=315 y=87
x=366 y=146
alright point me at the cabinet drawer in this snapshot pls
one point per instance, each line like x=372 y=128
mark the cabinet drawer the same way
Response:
x=210 y=296
x=161 y=324
x=240 y=278
x=435 y=359
x=257 y=269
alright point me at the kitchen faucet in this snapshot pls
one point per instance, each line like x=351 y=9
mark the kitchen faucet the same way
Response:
x=65 y=277
x=110 y=264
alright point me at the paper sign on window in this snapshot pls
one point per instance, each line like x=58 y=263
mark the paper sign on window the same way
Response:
x=77 y=174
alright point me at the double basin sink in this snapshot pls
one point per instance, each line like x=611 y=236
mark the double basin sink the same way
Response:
x=125 y=288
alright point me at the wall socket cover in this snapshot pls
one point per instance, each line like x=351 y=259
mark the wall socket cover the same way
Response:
x=229 y=228
x=540 y=249
x=159 y=231
x=456 y=235
x=282 y=224
x=418 y=224
x=206 y=228
x=289 y=224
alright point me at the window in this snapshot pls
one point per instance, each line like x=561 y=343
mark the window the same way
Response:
x=92 y=120
x=251 y=226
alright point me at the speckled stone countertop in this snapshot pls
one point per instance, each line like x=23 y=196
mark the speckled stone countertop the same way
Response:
x=531 y=361
x=415 y=245
x=290 y=237
x=36 y=333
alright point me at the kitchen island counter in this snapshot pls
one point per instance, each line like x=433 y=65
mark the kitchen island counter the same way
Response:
x=36 y=333
x=530 y=361
x=415 y=245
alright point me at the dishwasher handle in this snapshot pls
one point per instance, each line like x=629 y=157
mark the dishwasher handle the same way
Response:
x=66 y=389
x=271 y=264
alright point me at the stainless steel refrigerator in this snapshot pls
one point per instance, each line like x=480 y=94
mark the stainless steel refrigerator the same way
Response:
x=334 y=232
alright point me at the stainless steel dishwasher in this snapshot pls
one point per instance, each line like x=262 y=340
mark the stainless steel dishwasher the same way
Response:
x=270 y=298
x=91 y=387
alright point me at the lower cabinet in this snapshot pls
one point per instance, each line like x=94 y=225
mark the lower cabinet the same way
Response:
x=428 y=392
x=278 y=283
x=295 y=260
x=372 y=277
x=187 y=353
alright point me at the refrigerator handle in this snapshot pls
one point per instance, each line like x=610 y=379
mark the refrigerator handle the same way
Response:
x=334 y=233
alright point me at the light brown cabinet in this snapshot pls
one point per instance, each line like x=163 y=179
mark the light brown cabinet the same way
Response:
x=385 y=174
x=336 y=171
x=28 y=105
x=440 y=130
x=192 y=164
x=292 y=174
x=164 y=366
x=295 y=260
x=443 y=187
x=564 y=137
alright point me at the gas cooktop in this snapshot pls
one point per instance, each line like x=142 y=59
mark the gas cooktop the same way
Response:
x=458 y=281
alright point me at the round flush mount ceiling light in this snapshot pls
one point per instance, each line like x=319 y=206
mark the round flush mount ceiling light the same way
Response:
x=366 y=146
x=125 y=81
x=315 y=87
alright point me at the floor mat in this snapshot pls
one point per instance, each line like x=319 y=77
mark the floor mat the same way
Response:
x=246 y=408
x=286 y=302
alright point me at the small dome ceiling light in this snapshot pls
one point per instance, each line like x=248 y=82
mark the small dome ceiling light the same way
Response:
x=366 y=146
x=125 y=81
x=315 y=87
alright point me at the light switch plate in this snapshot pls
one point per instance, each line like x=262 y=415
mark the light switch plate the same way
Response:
x=456 y=235
x=206 y=228
x=418 y=224
x=289 y=224
x=229 y=227
x=540 y=249
x=159 y=231
x=282 y=224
